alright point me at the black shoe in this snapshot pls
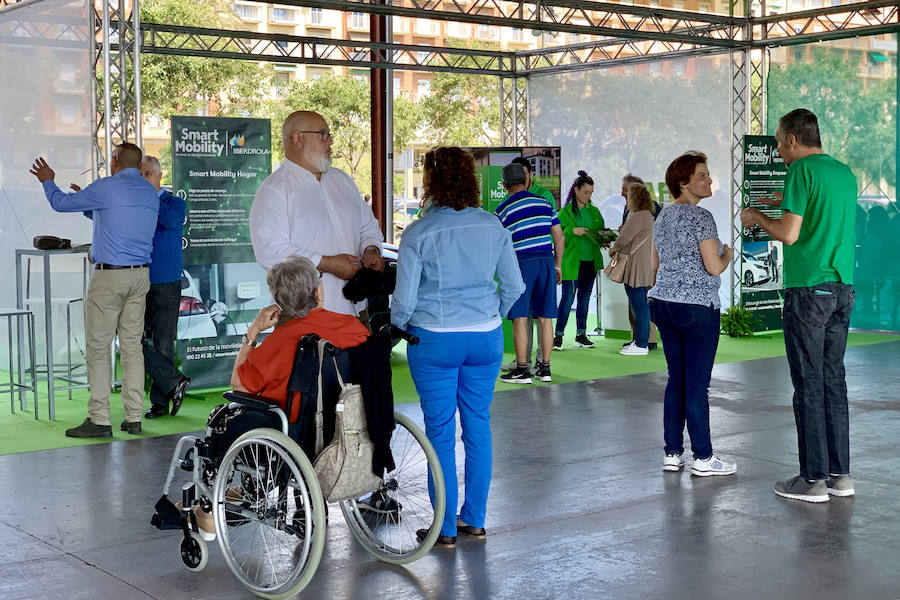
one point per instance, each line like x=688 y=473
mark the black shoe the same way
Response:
x=543 y=372
x=517 y=375
x=446 y=541
x=132 y=428
x=156 y=411
x=89 y=430
x=557 y=342
x=582 y=341
x=379 y=502
x=475 y=532
x=178 y=394
x=652 y=346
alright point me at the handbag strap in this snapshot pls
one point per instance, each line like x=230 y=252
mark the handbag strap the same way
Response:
x=320 y=423
x=634 y=249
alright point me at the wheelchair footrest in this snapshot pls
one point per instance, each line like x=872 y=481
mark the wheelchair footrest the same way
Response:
x=167 y=515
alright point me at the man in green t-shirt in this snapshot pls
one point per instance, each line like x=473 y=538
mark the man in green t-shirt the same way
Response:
x=817 y=229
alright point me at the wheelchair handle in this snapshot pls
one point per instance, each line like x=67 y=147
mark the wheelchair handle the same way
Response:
x=391 y=331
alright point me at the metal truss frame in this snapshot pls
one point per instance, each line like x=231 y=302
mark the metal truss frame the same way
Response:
x=269 y=47
x=571 y=16
x=513 y=111
x=117 y=81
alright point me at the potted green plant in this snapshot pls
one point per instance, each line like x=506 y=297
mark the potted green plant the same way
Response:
x=737 y=321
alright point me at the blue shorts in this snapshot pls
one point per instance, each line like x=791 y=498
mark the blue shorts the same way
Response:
x=539 y=297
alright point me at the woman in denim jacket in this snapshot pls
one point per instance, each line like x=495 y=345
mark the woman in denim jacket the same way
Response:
x=448 y=267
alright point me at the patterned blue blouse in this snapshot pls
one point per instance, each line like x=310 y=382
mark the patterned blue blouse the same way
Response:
x=682 y=277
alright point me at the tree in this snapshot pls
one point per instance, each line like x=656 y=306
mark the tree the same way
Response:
x=857 y=122
x=463 y=109
x=344 y=103
x=185 y=84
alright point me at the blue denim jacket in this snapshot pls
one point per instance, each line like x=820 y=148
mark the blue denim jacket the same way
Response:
x=446 y=267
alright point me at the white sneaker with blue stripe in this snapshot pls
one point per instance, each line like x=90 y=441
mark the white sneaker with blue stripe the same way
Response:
x=712 y=466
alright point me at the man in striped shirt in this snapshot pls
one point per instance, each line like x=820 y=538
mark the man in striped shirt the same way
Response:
x=538 y=243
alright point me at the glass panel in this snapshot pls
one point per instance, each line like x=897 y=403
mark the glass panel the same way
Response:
x=637 y=119
x=855 y=98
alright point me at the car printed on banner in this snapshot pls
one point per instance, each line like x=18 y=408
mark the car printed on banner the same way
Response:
x=194 y=319
x=754 y=270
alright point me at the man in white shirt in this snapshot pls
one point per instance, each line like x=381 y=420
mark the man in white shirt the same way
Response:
x=305 y=207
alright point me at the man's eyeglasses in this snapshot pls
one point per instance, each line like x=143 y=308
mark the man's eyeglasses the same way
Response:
x=326 y=135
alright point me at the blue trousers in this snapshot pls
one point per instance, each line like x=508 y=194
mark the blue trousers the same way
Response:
x=816 y=320
x=637 y=298
x=584 y=284
x=457 y=371
x=690 y=338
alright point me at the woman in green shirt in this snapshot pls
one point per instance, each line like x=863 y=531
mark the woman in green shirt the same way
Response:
x=581 y=260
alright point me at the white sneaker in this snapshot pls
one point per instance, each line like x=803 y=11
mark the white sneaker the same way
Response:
x=673 y=462
x=712 y=466
x=633 y=350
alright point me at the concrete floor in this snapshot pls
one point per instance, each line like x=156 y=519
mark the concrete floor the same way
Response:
x=579 y=507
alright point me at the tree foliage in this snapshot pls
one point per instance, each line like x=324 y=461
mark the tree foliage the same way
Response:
x=857 y=122
x=463 y=109
x=187 y=85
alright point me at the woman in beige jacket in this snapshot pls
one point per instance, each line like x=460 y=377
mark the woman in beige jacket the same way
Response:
x=634 y=240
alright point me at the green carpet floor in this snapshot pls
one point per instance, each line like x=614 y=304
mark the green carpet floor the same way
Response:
x=19 y=432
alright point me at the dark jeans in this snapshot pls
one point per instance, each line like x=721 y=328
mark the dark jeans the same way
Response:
x=816 y=320
x=160 y=328
x=690 y=337
x=584 y=284
x=637 y=299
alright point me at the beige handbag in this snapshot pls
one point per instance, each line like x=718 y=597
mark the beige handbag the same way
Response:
x=344 y=468
x=615 y=270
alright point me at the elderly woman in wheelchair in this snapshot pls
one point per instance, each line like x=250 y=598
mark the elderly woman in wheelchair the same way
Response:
x=253 y=486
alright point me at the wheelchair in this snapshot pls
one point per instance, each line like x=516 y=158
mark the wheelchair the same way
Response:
x=268 y=509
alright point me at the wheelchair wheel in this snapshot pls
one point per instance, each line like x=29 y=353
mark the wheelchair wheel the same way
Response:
x=385 y=523
x=194 y=553
x=269 y=514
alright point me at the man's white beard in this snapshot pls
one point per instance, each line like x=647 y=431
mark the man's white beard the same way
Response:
x=322 y=163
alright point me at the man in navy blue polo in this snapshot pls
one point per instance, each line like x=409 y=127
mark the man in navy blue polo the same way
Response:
x=538 y=242
x=124 y=208
x=164 y=299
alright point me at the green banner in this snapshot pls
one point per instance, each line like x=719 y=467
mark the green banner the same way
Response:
x=218 y=164
x=762 y=285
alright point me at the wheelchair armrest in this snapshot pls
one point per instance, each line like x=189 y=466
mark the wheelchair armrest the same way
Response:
x=251 y=400
x=259 y=403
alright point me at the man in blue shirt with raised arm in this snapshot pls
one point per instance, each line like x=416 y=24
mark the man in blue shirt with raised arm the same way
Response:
x=124 y=208
x=164 y=299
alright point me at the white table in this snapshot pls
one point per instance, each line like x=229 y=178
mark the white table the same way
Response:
x=21 y=293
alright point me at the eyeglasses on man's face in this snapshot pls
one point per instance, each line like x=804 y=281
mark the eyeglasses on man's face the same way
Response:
x=324 y=133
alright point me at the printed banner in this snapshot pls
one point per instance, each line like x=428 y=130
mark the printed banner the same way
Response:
x=762 y=285
x=218 y=163
x=489 y=163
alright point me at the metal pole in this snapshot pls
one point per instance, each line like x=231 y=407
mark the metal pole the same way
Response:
x=138 y=129
x=377 y=33
x=92 y=49
x=388 y=217
x=107 y=98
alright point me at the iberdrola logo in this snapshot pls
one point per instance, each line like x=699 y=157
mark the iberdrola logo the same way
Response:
x=237 y=142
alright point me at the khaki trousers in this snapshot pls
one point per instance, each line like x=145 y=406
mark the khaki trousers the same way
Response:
x=115 y=303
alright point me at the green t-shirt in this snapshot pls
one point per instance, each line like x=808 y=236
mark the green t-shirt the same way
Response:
x=823 y=191
x=543 y=193
x=585 y=243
